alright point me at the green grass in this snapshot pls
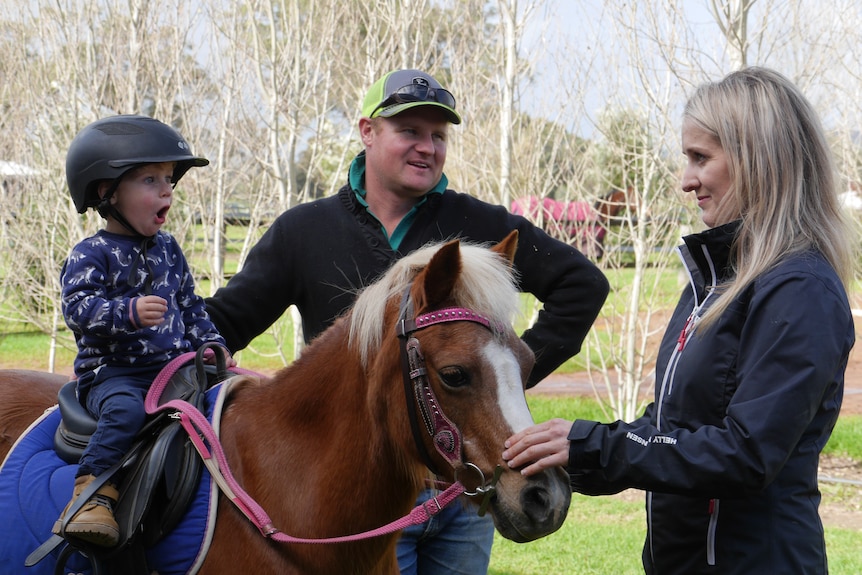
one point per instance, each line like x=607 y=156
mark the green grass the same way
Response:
x=29 y=350
x=265 y=353
x=662 y=290
x=601 y=535
x=842 y=548
x=605 y=535
x=577 y=407
x=846 y=438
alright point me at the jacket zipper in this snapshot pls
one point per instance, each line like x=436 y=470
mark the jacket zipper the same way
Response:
x=668 y=377
x=667 y=389
x=710 y=533
x=687 y=329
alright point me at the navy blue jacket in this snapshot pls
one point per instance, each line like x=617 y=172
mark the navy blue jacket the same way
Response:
x=317 y=255
x=728 y=451
x=101 y=280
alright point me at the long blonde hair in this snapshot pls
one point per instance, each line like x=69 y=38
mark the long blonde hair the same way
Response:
x=783 y=182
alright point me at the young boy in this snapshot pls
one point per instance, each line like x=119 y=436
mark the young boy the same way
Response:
x=127 y=293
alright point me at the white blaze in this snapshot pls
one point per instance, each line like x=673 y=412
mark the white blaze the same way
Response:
x=510 y=391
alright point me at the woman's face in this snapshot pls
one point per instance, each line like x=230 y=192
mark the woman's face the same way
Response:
x=706 y=174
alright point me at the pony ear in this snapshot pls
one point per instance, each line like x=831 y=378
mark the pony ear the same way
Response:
x=507 y=247
x=439 y=276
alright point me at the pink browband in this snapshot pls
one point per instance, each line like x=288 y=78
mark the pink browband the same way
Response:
x=406 y=326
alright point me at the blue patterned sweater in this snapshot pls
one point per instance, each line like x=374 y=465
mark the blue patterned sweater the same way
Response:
x=102 y=278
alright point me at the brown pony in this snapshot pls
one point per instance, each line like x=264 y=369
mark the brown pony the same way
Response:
x=326 y=446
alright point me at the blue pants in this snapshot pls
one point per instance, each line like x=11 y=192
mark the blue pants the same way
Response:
x=454 y=542
x=114 y=396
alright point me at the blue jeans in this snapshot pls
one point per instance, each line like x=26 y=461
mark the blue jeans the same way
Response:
x=454 y=542
x=115 y=397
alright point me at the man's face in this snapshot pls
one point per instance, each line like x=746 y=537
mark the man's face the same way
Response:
x=405 y=154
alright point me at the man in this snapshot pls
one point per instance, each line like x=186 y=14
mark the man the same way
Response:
x=316 y=255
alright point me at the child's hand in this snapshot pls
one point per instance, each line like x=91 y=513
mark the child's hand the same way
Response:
x=210 y=358
x=151 y=310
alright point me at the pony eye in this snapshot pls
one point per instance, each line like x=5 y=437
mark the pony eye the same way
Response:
x=454 y=377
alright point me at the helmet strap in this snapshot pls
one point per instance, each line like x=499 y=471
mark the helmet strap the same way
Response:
x=136 y=265
x=106 y=208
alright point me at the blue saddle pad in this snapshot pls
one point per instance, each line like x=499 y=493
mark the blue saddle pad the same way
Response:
x=35 y=486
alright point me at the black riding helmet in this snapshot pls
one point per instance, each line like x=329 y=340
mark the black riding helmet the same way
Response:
x=110 y=147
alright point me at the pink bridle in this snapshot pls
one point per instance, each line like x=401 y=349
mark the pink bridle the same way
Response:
x=446 y=435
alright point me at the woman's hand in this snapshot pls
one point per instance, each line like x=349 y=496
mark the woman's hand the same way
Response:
x=539 y=447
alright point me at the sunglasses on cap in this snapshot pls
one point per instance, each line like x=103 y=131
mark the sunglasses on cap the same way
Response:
x=416 y=93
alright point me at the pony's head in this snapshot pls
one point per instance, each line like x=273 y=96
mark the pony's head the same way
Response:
x=477 y=278
x=451 y=307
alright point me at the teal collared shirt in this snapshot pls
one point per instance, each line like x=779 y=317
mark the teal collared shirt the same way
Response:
x=356 y=178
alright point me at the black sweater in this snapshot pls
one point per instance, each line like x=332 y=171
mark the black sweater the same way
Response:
x=317 y=255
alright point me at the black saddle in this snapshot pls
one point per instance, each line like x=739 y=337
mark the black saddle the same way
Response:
x=160 y=474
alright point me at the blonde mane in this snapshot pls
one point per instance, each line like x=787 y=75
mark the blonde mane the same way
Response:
x=487 y=285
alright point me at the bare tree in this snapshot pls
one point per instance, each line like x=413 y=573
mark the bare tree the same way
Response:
x=657 y=52
x=66 y=66
x=732 y=19
x=561 y=107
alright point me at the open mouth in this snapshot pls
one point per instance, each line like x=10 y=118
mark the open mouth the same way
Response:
x=162 y=214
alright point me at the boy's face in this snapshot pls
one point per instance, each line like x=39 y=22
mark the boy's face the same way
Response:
x=143 y=198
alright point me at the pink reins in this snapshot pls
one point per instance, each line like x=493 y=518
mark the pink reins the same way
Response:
x=202 y=434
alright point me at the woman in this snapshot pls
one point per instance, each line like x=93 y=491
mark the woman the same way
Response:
x=750 y=372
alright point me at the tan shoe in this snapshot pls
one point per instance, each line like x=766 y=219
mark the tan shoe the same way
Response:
x=94 y=522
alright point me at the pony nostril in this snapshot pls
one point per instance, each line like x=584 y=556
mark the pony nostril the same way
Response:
x=536 y=503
